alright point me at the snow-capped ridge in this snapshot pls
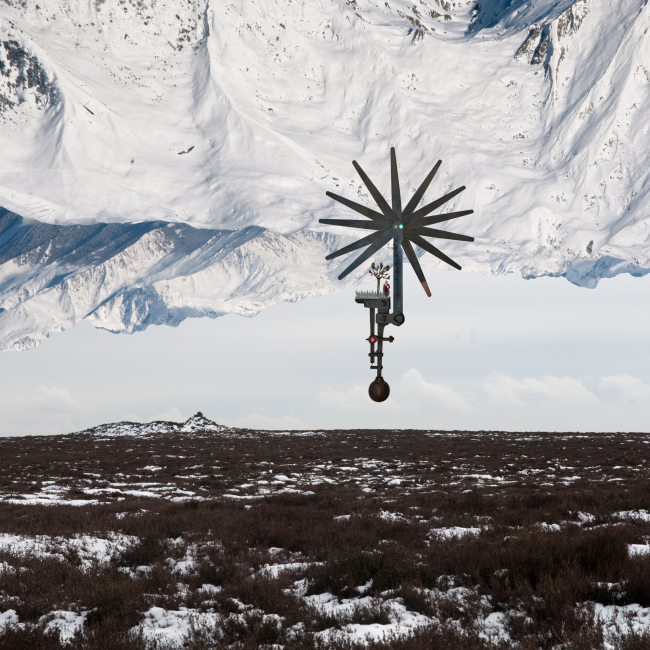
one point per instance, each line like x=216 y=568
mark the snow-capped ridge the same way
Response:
x=197 y=423
x=124 y=277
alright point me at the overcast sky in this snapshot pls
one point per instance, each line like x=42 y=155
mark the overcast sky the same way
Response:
x=497 y=353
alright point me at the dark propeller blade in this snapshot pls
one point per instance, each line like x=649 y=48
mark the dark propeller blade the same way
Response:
x=352 y=223
x=423 y=212
x=427 y=221
x=429 y=248
x=386 y=236
x=440 y=234
x=417 y=197
x=394 y=184
x=379 y=199
x=361 y=209
x=415 y=263
x=354 y=246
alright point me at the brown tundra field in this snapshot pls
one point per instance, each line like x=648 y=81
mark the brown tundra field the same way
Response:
x=200 y=536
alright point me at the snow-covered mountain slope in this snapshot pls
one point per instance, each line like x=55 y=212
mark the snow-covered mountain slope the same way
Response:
x=239 y=115
x=125 y=277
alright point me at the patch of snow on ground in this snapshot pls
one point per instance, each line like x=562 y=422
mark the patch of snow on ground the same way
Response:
x=494 y=627
x=89 y=549
x=67 y=623
x=643 y=515
x=403 y=622
x=8 y=618
x=454 y=532
x=391 y=516
x=186 y=565
x=274 y=570
x=619 y=619
x=638 y=549
x=41 y=499
x=171 y=628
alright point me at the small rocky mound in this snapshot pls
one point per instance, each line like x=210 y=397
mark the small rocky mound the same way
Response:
x=198 y=423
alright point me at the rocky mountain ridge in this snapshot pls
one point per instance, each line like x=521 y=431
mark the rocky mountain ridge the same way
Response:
x=196 y=423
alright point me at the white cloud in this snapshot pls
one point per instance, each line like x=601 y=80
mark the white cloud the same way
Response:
x=357 y=398
x=354 y=398
x=41 y=399
x=409 y=392
x=625 y=386
x=413 y=385
x=257 y=421
x=502 y=388
x=59 y=400
x=170 y=415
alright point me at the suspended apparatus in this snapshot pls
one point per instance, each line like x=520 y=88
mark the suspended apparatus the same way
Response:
x=405 y=228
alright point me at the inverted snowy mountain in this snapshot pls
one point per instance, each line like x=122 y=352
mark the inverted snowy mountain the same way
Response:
x=227 y=117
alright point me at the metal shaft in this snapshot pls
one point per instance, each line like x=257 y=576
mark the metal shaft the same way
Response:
x=380 y=349
x=398 y=289
x=372 y=333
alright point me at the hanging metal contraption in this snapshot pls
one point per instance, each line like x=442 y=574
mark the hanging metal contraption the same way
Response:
x=405 y=227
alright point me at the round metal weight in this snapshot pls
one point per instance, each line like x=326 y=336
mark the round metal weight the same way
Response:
x=379 y=390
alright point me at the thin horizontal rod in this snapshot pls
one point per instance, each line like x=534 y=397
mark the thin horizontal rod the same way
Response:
x=423 y=212
x=357 y=207
x=439 y=234
x=369 y=252
x=415 y=263
x=379 y=199
x=417 y=197
x=365 y=241
x=352 y=223
x=428 y=221
x=430 y=248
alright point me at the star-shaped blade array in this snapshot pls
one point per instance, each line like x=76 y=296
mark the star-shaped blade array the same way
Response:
x=411 y=222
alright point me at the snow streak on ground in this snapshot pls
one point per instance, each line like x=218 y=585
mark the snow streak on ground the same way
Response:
x=86 y=549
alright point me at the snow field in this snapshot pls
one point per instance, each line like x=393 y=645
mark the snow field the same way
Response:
x=236 y=120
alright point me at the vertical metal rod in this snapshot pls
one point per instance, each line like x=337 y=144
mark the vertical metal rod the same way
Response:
x=380 y=349
x=398 y=235
x=372 y=333
x=398 y=289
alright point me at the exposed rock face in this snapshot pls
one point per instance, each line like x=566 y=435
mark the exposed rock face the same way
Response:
x=22 y=76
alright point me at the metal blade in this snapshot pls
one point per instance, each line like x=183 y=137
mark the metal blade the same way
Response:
x=423 y=212
x=429 y=248
x=386 y=236
x=394 y=184
x=427 y=221
x=354 y=246
x=361 y=209
x=415 y=263
x=352 y=223
x=417 y=197
x=440 y=234
x=379 y=199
